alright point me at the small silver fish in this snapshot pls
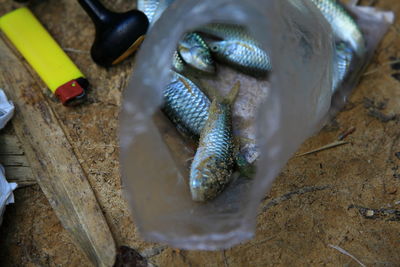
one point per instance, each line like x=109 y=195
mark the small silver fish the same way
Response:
x=243 y=56
x=343 y=25
x=161 y=7
x=227 y=32
x=344 y=57
x=213 y=163
x=195 y=52
x=186 y=105
x=148 y=7
x=236 y=47
x=153 y=8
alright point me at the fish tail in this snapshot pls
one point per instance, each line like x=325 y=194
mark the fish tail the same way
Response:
x=209 y=90
x=233 y=93
x=246 y=169
x=213 y=94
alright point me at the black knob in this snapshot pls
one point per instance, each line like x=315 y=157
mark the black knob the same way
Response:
x=118 y=35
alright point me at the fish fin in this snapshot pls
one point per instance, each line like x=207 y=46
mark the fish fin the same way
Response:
x=190 y=159
x=246 y=169
x=187 y=85
x=204 y=163
x=233 y=93
x=245 y=140
x=210 y=91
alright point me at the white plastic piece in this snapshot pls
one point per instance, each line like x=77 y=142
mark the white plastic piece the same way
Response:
x=6 y=188
x=6 y=195
x=6 y=109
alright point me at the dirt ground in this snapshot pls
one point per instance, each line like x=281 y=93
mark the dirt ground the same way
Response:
x=345 y=198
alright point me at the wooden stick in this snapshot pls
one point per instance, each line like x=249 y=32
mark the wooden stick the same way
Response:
x=53 y=162
x=328 y=146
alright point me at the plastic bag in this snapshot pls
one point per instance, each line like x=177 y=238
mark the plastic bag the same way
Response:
x=295 y=102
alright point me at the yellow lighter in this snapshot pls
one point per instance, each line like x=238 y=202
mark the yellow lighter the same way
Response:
x=44 y=55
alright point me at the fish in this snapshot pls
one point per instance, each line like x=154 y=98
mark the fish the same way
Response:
x=227 y=32
x=195 y=52
x=343 y=59
x=234 y=46
x=148 y=7
x=213 y=164
x=186 y=105
x=161 y=7
x=177 y=63
x=243 y=56
x=153 y=8
x=343 y=25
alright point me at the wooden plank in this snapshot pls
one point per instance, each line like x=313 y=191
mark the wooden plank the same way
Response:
x=23 y=176
x=53 y=162
x=10 y=145
x=14 y=160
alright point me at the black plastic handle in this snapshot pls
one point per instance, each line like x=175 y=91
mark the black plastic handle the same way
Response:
x=118 y=35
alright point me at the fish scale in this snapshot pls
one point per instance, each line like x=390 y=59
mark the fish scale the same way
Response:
x=213 y=163
x=243 y=56
x=343 y=25
x=344 y=56
x=227 y=32
x=148 y=7
x=233 y=45
x=186 y=105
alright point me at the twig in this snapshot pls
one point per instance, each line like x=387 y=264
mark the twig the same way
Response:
x=347 y=254
x=73 y=50
x=325 y=147
x=346 y=133
x=368 y=213
x=289 y=195
x=260 y=242
x=225 y=259
x=380 y=66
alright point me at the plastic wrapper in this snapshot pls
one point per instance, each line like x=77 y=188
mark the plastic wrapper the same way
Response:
x=6 y=188
x=6 y=193
x=274 y=115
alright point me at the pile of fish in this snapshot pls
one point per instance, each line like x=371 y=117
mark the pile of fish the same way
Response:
x=200 y=112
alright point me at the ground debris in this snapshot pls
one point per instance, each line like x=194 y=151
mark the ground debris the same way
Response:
x=287 y=196
x=378 y=214
x=395 y=63
x=341 y=250
x=375 y=108
x=332 y=126
x=154 y=251
x=128 y=257
x=381 y=117
x=396 y=76
x=371 y=104
x=346 y=133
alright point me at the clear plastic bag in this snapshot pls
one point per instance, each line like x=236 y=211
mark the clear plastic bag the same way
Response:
x=295 y=102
